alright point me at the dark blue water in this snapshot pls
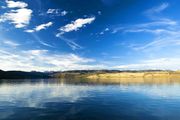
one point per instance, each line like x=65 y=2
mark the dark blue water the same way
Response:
x=43 y=100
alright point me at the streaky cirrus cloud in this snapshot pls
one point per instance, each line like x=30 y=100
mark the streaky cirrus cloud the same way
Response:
x=152 y=64
x=10 y=43
x=70 y=43
x=165 y=31
x=158 y=9
x=151 y=27
x=40 y=27
x=154 y=12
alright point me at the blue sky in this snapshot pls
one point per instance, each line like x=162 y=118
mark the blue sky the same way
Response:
x=50 y=35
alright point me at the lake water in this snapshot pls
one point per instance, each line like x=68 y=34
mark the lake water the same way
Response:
x=61 y=100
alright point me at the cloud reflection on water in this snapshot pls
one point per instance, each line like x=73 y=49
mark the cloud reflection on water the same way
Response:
x=37 y=95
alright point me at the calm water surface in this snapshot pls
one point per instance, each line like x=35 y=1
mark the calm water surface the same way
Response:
x=60 y=100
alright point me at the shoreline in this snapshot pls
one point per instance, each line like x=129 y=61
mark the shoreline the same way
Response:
x=92 y=74
x=119 y=75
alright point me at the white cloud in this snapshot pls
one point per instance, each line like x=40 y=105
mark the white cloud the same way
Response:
x=36 y=52
x=57 y=12
x=40 y=27
x=10 y=43
x=18 y=4
x=63 y=13
x=29 y=31
x=50 y=11
x=44 y=60
x=105 y=30
x=43 y=26
x=19 y=17
x=99 y=13
x=156 y=64
x=101 y=33
x=74 y=26
x=77 y=24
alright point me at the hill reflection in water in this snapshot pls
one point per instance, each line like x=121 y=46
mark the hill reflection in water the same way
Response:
x=78 y=99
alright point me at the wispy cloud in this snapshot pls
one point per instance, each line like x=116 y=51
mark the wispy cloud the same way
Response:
x=159 y=43
x=153 y=64
x=63 y=13
x=105 y=30
x=40 y=27
x=159 y=23
x=41 y=41
x=99 y=13
x=10 y=43
x=158 y=9
x=44 y=60
x=20 y=17
x=45 y=44
x=165 y=31
x=154 y=13
x=156 y=27
x=75 y=25
x=57 y=12
x=71 y=43
x=164 y=35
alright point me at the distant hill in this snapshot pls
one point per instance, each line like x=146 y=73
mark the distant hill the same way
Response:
x=109 y=74
x=90 y=74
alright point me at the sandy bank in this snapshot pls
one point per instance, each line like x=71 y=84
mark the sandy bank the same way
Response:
x=134 y=75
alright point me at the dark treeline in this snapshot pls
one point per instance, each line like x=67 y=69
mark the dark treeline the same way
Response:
x=22 y=75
